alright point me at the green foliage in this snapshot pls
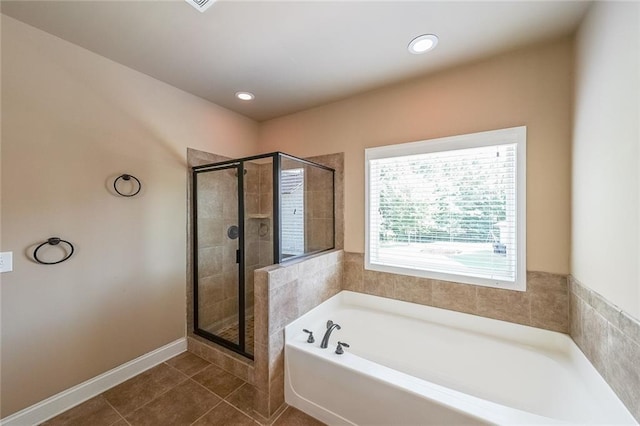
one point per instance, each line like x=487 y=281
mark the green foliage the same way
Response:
x=441 y=200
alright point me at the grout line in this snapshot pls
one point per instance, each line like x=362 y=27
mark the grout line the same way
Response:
x=207 y=412
x=207 y=389
x=238 y=408
x=234 y=391
x=159 y=395
x=280 y=415
x=114 y=409
x=202 y=369
x=198 y=371
x=174 y=368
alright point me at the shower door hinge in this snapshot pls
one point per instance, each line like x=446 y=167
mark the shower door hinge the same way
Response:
x=238 y=256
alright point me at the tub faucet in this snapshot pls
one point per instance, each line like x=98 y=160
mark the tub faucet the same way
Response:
x=325 y=340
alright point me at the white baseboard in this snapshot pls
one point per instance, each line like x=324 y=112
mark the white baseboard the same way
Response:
x=78 y=394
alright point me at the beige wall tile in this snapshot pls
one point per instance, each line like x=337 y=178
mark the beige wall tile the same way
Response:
x=609 y=311
x=353 y=276
x=209 y=261
x=550 y=310
x=354 y=257
x=507 y=305
x=609 y=339
x=623 y=369
x=457 y=297
x=413 y=289
x=276 y=394
x=576 y=309
x=541 y=282
x=283 y=307
x=378 y=283
x=630 y=327
x=545 y=304
x=261 y=366
x=221 y=357
x=210 y=232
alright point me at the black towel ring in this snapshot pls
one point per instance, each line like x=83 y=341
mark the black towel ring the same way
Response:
x=54 y=241
x=127 y=178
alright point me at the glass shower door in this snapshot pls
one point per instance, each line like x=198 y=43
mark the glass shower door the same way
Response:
x=218 y=286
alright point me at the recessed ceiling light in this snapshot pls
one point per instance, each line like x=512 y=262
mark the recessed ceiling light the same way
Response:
x=422 y=44
x=245 y=96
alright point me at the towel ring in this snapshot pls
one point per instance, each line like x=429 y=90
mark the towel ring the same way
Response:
x=54 y=241
x=127 y=177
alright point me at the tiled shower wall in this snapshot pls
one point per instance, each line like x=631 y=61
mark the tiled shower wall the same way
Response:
x=319 y=206
x=610 y=338
x=336 y=162
x=258 y=199
x=545 y=304
x=217 y=274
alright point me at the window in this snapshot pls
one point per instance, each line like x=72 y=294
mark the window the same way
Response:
x=292 y=211
x=450 y=209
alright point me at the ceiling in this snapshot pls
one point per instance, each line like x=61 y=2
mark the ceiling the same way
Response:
x=294 y=55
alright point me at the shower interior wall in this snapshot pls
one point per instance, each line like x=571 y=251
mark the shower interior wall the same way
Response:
x=218 y=273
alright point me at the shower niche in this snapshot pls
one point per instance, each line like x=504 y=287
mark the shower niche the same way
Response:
x=249 y=213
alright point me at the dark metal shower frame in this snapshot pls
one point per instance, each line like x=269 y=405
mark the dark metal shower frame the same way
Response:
x=238 y=164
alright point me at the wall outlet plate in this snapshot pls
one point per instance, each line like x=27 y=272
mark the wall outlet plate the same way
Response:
x=6 y=261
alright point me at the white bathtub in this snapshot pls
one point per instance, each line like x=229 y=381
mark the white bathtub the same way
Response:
x=416 y=365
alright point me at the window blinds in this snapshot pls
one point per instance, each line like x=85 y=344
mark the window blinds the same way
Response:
x=451 y=212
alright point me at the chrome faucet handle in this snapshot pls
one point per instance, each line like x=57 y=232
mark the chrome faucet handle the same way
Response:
x=310 y=339
x=339 y=349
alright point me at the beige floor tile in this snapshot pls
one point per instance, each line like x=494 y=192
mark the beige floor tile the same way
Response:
x=188 y=363
x=224 y=414
x=95 y=412
x=181 y=405
x=244 y=400
x=139 y=390
x=295 y=417
x=218 y=381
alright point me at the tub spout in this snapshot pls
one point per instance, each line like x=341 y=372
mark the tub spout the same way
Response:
x=330 y=327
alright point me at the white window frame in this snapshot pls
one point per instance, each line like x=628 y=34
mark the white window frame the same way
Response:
x=514 y=135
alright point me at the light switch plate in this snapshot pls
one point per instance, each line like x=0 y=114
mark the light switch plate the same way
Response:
x=6 y=261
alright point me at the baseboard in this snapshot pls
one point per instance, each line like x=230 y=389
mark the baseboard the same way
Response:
x=78 y=394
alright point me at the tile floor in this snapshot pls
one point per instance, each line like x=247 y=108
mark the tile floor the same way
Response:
x=185 y=390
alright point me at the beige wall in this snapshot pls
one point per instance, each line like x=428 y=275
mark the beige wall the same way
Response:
x=606 y=157
x=71 y=122
x=531 y=87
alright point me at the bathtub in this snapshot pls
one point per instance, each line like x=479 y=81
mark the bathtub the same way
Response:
x=409 y=364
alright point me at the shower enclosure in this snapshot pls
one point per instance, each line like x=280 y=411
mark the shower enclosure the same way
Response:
x=249 y=213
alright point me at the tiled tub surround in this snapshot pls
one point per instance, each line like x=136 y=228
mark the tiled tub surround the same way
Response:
x=283 y=293
x=545 y=304
x=610 y=339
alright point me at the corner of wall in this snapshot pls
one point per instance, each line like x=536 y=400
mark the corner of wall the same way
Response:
x=610 y=339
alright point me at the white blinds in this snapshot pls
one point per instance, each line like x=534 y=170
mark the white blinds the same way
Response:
x=292 y=211
x=451 y=212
